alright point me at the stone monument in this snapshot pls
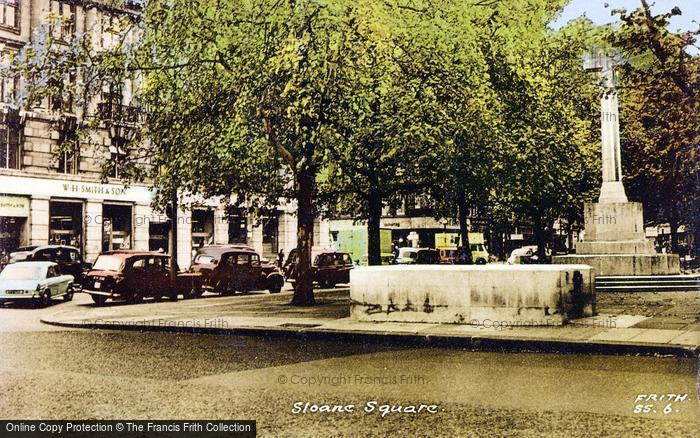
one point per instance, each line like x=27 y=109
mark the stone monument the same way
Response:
x=615 y=242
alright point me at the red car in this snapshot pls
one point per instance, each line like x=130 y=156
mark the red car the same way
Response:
x=329 y=268
x=227 y=269
x=129 y=275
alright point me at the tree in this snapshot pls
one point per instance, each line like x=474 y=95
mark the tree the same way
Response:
x=549 y=127
x=659 y=108
x=253 y=88
x=382 y=137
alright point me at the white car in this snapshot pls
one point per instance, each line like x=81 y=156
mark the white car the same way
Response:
x=37 y=281
x=518 y=253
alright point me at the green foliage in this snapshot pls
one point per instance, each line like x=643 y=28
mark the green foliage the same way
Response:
x=659 y=108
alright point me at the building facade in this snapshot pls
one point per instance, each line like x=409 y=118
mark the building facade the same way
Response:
x=52 y=196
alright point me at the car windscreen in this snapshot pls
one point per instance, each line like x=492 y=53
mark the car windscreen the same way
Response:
x=200 y=259
x=18 y=272
x=108 y=263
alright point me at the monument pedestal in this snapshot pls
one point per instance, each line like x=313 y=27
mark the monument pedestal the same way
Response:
x=615 y=243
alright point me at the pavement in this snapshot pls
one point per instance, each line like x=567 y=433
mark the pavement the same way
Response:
x=663 y=323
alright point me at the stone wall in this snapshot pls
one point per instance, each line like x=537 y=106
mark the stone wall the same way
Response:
x=542 y=294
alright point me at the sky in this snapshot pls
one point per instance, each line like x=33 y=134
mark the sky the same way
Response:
x=599 y=14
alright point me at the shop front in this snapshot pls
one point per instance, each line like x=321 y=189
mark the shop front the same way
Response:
x=91 y=216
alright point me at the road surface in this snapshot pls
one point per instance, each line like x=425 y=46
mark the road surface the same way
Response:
x=54 y=373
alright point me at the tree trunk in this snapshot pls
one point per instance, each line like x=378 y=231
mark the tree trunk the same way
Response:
x=464 y=230
x=673 y=222
x=303 y=290
x=374 y=246
x=540 y=240
x=172 y=248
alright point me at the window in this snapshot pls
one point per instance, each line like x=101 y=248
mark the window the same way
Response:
x=10 y=147
x=51 y=272
x=118 y=160
x=45 y=255
x=109 y=31
x=65 y=28
x=9 y=86
x=243 y=259
x=9 y=13
x=68 y=161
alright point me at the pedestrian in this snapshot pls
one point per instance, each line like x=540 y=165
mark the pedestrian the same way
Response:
x=460 y=257
x=280 y=258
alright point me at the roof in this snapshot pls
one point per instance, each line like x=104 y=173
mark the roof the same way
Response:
x=218 y=250
x=134 y=253
x=32 y=264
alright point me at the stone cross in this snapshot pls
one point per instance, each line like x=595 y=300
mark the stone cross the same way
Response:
x=612 y=189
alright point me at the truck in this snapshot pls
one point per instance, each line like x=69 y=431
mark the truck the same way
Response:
x=447 y=244
x=354 y=242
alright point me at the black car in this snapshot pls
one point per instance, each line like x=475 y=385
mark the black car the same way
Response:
x=68 y=258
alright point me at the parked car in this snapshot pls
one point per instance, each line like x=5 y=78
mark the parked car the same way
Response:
x=328 y=269
x=228 y=270
x=418 y=256
x=480 y=255
x=37 y=281
x=67 y=257
x=207 y=257
x=387 y=259
x=290 y=263
x=527 y=255
x=129 y=275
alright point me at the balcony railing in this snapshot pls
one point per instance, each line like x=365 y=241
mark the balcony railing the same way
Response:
x=118 y=113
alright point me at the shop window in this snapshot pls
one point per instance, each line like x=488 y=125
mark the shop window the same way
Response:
x=116 y=227
x=10 y=147
x=238 y=227
x=66 y=223
x=11 y=234
x=270 y=235
x=202 y=228
x=9 y=13
x=158 y=236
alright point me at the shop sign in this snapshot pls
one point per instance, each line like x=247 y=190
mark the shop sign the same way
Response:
x=14 y=206
x=93 y=189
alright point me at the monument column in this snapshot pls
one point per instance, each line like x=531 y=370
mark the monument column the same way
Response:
x=615 y=243
x=612 y=189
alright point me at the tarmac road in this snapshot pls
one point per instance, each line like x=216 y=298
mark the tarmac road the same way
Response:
x=53 y=373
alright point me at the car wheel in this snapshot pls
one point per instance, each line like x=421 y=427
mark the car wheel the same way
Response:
x=275 y=290
x=99 y=299
x=136 y=298
x=157 y=297
x=481 y=262
x=68 y=296
x=190 y=293
x=46 y=298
